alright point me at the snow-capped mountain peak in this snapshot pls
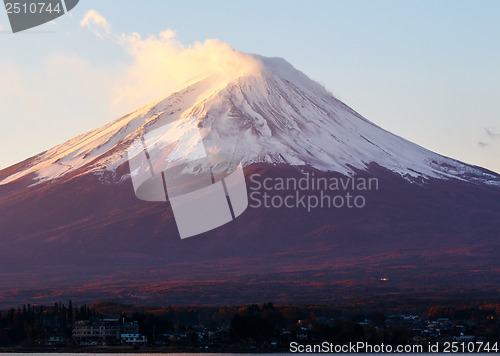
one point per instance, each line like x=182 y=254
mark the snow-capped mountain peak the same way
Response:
x=267 y=112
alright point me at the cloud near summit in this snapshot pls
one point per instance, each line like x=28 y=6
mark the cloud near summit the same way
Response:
x=160 y=63
x=96 y=23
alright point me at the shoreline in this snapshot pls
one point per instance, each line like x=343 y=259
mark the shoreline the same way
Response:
x=141 y=350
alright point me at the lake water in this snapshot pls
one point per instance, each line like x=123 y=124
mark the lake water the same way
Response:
x=212 y=354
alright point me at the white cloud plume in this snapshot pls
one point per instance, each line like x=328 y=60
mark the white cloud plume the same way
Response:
x=96 y=23
x=160 y=63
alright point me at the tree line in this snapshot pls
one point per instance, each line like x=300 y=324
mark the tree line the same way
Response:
x=24 y=326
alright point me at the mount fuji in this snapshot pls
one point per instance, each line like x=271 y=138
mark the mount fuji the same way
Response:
x=71 y=226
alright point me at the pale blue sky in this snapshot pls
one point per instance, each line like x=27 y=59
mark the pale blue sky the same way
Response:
x=425 y=70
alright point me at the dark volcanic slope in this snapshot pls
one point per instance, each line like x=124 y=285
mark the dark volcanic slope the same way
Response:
x=81 y=233
x=86 y=238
